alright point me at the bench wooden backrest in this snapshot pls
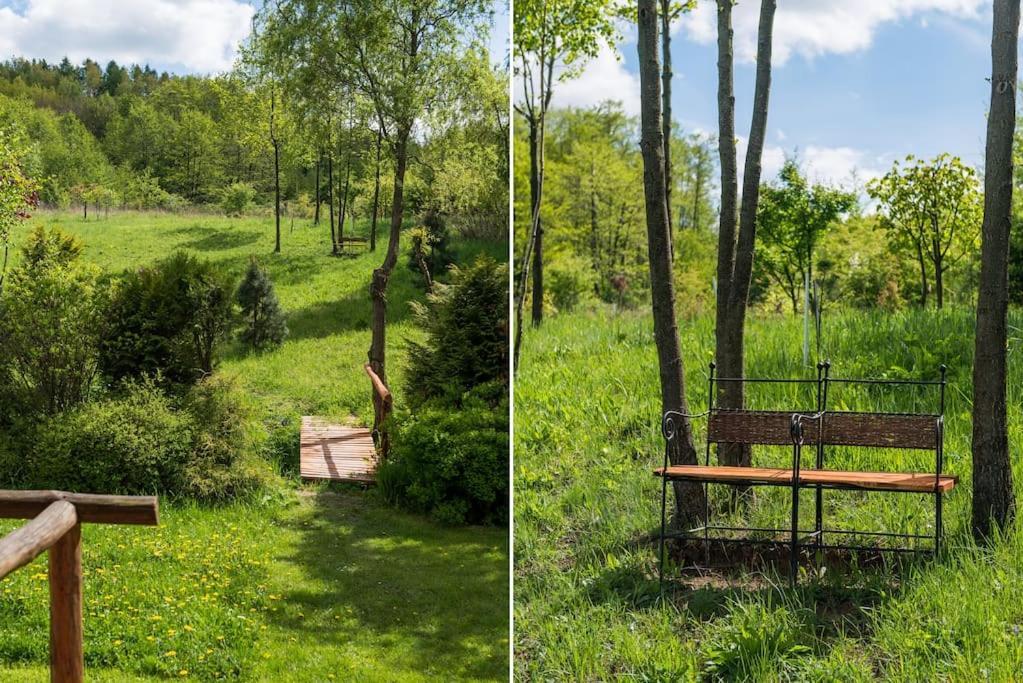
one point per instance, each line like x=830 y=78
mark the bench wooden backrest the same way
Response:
x=773 y=428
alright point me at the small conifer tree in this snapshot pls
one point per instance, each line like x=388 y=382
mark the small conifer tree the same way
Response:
x=264 y=320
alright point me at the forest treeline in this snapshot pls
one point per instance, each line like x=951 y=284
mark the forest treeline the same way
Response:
x=908 y=238
x=127 y=136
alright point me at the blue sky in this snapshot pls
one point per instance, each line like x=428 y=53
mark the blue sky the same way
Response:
x=856 y=83
x=181 y=36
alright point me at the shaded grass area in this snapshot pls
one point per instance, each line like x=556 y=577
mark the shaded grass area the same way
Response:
x=413 y=600
x=587 y=511
x=325 y=586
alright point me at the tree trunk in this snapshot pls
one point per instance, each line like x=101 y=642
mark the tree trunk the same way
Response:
x=376 y=199
x=534 y=204
x=728 y=216
x=277 y=196
x=417 y=248
x=689 y=501
x=666 y=74
x=535 y=145
x=330 y=202
x=735 y=258
x=923 y=274
x=319 y=163
x=277 y=169
x=993 y=499
x=378 y=287
x=344 y=197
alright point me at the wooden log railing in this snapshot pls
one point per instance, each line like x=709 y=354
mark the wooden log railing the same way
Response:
x=56 y=519
x=383 y=403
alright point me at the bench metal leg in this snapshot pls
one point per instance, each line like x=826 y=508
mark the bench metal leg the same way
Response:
x=664 y=506
x=937 y=523
x=794 y=558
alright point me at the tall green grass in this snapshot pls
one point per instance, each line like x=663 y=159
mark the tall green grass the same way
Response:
x=587 y=436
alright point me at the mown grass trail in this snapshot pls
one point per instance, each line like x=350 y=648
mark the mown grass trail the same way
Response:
x=308 y=583
x=587 y=436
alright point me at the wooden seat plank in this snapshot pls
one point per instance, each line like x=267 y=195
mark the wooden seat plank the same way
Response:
x=880 y=481
x=336 y=452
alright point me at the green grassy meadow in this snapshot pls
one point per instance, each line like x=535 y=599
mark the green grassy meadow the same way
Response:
x=587 y=436
x=309 y=582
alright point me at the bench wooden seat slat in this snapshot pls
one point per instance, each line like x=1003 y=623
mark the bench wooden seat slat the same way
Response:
x=882 y=481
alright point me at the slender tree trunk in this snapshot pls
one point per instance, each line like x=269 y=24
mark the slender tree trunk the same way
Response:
x=666 y=74
x=378 y=287
x=689 y=502
x=993 y=499
x=728 y=217
x=277 y=169
x=417 y=248
x=330 y=202
x=319 y=163
x=376 y=199
x=534 y=203
x=344 y=197
x=923 y=275
x=730 y=332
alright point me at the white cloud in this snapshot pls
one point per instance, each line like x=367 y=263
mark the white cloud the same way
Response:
x=831 y=165
x=603 y=78
x=811 y=28
x=199 y=35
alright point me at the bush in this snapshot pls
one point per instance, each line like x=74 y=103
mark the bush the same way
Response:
x=223 y=462
x=264 y=320
x=133 y=444
x=236 y=198
x=466 y=323
x=569 y=282
x=436 y=245
x=49 y=317
x=452 y=464
x=142 y=441
x=167 y=320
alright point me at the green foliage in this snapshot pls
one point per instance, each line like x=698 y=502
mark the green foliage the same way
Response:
x=453 y=464
x=167 y=319
x=466 y=324
x=50 y=312
x=136 y=443
x=261 y=313
x=569 y=282
x=792 y=217
x=18 y=189
x=142 y=441
x=932 y=212
x=236 y=197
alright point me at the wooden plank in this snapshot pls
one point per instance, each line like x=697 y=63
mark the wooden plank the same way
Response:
x=27 y=542
x=879 y=481
x=66 y=660
x=90 y=507
x=336 y=452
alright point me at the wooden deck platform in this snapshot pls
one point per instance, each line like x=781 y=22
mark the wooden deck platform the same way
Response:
x=337 y=453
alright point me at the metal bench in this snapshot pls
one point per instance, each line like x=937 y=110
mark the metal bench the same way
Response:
x=818 y=429
x=353 y=242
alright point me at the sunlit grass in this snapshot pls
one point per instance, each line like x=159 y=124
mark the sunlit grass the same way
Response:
x=587 y=437
x=307 y=586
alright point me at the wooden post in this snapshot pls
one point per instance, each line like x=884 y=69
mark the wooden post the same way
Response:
x=67 y=664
